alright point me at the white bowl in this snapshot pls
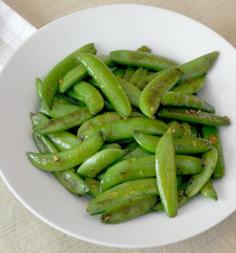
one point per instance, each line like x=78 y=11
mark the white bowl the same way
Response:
x=113 y=27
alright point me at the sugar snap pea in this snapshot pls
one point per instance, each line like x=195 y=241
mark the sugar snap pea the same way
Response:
x=128 y=73
x=183 y=145
x=121 y=192
x=178 y=99
x=136 y=153
x=51 y=81
x=124 y=129
x=208 y=191
x=64 y=122
x=111 y=145
x=144 y=81
x=99 y=161
x=132 y=92
x=190 y=86
x=151 y=95
x=69 y=158
x=87 y=93
x=138 y=75
x=129 y=209
x=69 y=179
x=166 y=173
x=176 y=128
x=187 y=165
x=107 y=83
x=141 y=59
x=197 y=181
x=212 y=134
x=195 y=116
x=94 y=187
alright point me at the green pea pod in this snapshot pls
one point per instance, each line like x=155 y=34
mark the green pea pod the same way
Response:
x=129 y=209
x=69 y=179
x=121 y=192
x=75 y=75
x=166 y=173
x=144 y=81
x=38 y=118
x=99 y=120
x=136 y=153
x=119 y=73
x=138 y=75
x=128 y=73
x=198 y=66
x=176 y=128
x=137 y=115
x=187 y=165
x=190 y=86
x=197 y=181
x=69 y=158
x=151 y=95
x=178 y=99
x=61 y=106
x=208 y=191
x=107 y=83
x=89 y=95
x=63 y=123
x=212 y=134
x=111 y=145
x=99 y=161
x=94 y=187
x=194 y=116
x=183 y=145
x=144 y=48
x=132 y=92
x=39 y=86
x=51 y=81
x=141 y=59
x=124 y=129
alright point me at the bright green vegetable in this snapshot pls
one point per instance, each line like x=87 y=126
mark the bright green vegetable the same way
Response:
x=195 y=116
x=99 y=161
x=121 y=192
x=187 y=164
x=111 y=145
x=136 y=153
x=208 y=191
x=128 y=73
x=51 y=81
x=166 y=173
x=107 y=83
x=89 y=95
x=212 y=134
x=94 y=187
x=144 y=81
x=129 y=209
x=138 y=75
x=39 y=86
x=176 y=128
x=151 y=95
x=197 y=181
x=178 y=99
x=141 y=59
x=69 y=158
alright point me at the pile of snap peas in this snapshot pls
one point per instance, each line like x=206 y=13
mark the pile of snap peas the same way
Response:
x=129 y=130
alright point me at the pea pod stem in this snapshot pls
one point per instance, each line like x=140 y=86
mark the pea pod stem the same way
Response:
x=208 y=191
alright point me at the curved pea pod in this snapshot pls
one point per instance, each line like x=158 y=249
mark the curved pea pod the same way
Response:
x=166 y=173
x=128 y=73
x=111 y=145
x=129 y=209
x=94 y=187
x=208 y=191
x=51 y=81
x=69 y=158
x=99 y=120
x=194 y=116
x=39 y=86
x=89 y=95
x=176 y=128
x=146 y=141
x=124 y=129
x=63 y=123
x=151 y=95
x=190 y=86
x=138 y=75
x=212 y=134
x=198 y=66
x=144 y=48
x=107 y=83
x=136 y=153
x=121 y=192
x=141 y=59
x=187 y=165
x=132 y=92
x=99 y=161
x=178 y=99
x=64 y=140
x=61 y=106
x=197 y=181
x=69 y=179
x=75 y=75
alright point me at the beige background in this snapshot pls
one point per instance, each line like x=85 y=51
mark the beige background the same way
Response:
x=21 y=232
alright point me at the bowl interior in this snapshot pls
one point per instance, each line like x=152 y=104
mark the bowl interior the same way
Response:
x=112 y=27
